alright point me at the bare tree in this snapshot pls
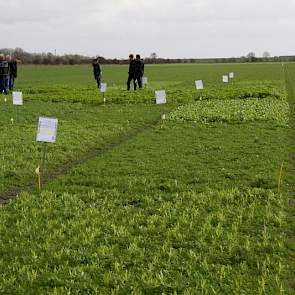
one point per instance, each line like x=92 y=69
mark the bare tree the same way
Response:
x=265 y=54
x=153 y=55
x=251 y=56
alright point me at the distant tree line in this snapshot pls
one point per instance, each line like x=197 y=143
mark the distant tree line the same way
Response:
x=76 y=59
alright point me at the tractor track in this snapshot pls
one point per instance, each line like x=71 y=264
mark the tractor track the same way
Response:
x=13 y=192
x=290 y=82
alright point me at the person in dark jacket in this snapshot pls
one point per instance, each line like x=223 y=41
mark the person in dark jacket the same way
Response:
x=97 y=71
x=139 y=70
x=8 y=60
x=142 y=66
x=131 y=72
x=4 y=73
x=12 y=64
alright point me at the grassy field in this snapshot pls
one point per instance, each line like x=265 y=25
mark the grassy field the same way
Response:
x=197 y=203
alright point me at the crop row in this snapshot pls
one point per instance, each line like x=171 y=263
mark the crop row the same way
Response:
x=176 y=93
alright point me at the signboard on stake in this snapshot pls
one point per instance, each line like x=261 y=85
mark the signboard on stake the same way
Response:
x=160 y=96
x=144 y=80
x=225 y=78
x=47 y=128
x=199 y=84
x=161 y=100
x=103 y=87
x=17 y=98
x=231 y=75
x=46 y=132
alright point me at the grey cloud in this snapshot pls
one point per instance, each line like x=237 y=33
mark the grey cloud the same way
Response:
x=172 y=28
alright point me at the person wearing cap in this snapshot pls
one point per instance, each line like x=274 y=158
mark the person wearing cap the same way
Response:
x=97 y=71
x=131 y=72
x=4 y=74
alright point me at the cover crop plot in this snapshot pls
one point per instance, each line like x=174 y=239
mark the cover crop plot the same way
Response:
x=183 y=207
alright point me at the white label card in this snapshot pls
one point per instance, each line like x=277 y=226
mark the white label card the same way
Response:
x=17 y=98
x=47 y=128
x=160 y=96
x=225 y=79
x=231 y=75
x=199 y=85
x=103 y=87
x=144 y=80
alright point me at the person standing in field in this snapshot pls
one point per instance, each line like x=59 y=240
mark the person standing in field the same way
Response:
x=139 y=70
x=97 y=71
x=4 y=74
x=142 y=68
x=131 y=72
x=8 y=60
x=12 y=64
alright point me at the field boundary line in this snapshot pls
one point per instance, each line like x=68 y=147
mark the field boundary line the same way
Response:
x=290 y=86
x=13 y=192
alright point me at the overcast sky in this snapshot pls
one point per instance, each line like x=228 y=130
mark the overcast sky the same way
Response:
x=171 y=28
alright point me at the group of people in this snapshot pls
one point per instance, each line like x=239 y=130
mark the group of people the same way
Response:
x=135 y=72
x=8 y=73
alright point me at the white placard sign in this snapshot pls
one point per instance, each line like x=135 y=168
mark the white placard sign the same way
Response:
x=103 y=87
x=160 y=96
x=47 y=128
x=231 y=75
x=144 y=80
x=225 y=79
x=17 y=98
x=199 y=84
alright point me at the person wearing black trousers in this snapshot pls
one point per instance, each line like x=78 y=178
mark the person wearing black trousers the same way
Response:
x=12 y=64
x=139 y=70
x=131 y=72
x=4 y=74
x=97 y=71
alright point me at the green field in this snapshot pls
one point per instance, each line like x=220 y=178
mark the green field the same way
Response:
x=198 y=203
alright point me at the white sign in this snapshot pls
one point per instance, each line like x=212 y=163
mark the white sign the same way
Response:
x=144 y=80
x=199 y=84
x=160 y=96
x=225 y=79
x=17 y=98
x=103 y=87
x=231 y=75
x=47 y=128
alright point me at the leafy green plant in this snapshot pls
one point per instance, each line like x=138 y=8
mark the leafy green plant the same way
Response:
x=234 y=111
x=180 y=208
